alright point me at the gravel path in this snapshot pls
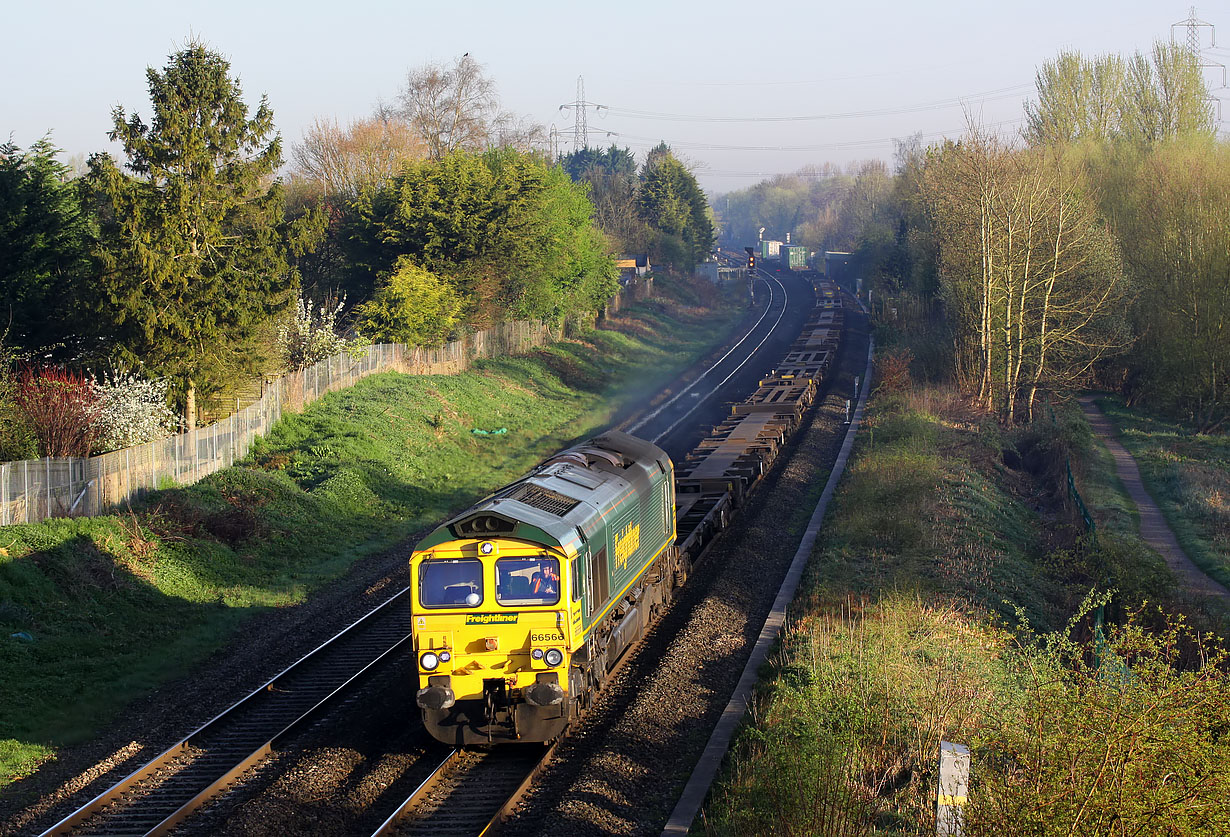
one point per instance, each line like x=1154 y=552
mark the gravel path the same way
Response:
x=1154 y=529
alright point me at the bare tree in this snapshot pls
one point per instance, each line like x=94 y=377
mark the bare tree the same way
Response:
x=365 y=153
x=508 y=130
x=1029 y=270
x=450 y=107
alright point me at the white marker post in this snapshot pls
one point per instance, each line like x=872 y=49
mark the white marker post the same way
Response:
x=847 y=411
x=954 y=785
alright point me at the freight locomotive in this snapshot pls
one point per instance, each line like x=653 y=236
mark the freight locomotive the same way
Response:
x=522 y=604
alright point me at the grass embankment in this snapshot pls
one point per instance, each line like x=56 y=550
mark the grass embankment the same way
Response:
x=946 y=600
x=105 y=609
x=1188 y=476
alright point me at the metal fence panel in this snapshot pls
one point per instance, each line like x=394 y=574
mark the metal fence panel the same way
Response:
x=35 y=489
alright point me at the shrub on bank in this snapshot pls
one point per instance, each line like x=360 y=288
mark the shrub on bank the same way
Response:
x=1125 y=736
x=897 y=642
x=1121 y=736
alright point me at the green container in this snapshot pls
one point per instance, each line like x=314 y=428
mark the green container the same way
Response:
x=794 y=257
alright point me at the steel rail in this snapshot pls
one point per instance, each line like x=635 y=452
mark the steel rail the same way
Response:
x=651 y=416
x=425 y=787
x=478 y=789
x=703 y=398
x=396 y=819
x=290 y=709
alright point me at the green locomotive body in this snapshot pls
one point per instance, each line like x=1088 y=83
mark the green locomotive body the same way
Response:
x=524 y=602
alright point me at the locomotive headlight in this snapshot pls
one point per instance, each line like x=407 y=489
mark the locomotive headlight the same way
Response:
x=486 y=548
x=536 y=653
x=554 y=657
x=445 y=656
x=429 y=661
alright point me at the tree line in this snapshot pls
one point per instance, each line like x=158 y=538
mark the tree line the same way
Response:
x=1092 y=250
x=189 y=256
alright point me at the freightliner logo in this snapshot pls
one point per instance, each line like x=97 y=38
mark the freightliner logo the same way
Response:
x=491 y=618
x=626 y=543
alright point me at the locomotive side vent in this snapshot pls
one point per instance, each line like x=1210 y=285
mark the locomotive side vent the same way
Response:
x=545 y=499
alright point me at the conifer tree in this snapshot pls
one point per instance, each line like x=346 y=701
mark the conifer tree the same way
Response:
x=671 y=201
x=193 y=248
x=44 y=246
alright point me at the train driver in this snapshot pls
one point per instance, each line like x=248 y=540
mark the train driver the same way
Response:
x=545 y=582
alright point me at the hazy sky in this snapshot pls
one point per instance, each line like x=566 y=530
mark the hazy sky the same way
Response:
x=888 y=68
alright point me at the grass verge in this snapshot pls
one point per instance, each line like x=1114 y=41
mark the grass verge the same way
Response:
x=96 y=612
x=949 y=598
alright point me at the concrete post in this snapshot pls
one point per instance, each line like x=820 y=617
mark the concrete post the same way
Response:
x=953 y=787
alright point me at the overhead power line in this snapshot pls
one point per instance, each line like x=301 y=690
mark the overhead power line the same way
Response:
x=990 y=95
x=580 y=109
x=690 y=145
x=913 y=71
x=1193 y=25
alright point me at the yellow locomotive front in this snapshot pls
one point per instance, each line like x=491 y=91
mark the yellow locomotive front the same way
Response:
x=492 y=632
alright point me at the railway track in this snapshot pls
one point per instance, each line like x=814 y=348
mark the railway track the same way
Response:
x=184 y=778
x=468 y=794
x=168 y=790
x=471 y=792
x=660 y=424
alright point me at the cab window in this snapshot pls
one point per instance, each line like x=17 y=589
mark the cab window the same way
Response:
x=451 y=583
x=527 y=581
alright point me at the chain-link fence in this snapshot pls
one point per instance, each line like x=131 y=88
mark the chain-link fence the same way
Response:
x=35 y=489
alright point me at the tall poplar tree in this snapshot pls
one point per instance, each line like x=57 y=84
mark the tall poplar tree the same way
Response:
x=194 y=248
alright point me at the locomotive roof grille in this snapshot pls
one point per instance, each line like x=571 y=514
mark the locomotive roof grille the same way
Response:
x=545 y=499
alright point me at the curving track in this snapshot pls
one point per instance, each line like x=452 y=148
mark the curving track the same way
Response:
x=678 y=424
x=160 y=796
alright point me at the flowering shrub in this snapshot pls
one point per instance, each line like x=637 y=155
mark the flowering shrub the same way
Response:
x=131 y=411
x=59 y=408
x=69 y=414
x=306 y=337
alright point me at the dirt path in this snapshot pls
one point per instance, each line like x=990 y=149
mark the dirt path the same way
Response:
x=1153 y=527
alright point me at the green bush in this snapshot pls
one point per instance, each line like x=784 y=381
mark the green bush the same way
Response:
x=845 y=738
x=1131 y=739
x=1137 y=573
x=17 y=439
x=411 y=305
